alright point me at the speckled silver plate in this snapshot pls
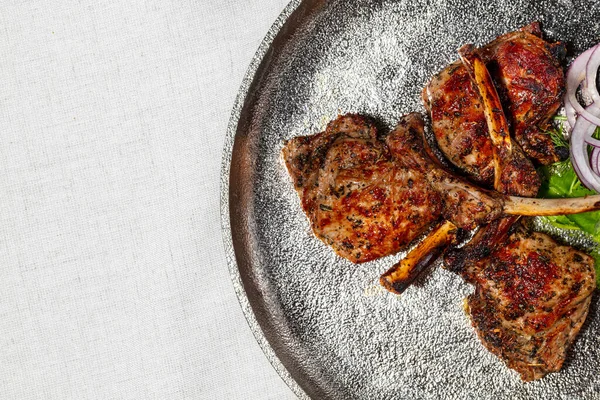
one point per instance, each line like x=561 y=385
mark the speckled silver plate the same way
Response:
x=324 y=323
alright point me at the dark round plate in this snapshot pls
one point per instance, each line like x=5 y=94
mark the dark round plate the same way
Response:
x=324 y=323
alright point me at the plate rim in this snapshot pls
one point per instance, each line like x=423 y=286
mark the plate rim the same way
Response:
x=265 y=57
x=260 y=61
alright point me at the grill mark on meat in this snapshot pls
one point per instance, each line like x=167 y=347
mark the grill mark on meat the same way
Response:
x=530 y=82
x=358 y=199
x=531 y=298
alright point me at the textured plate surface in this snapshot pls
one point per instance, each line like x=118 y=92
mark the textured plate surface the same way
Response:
x=324 y=323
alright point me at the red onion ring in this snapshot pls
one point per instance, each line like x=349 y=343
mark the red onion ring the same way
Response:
x=581 y=136
x=579 y=154
x=584 y=120
x=570 y=113
x=591 y=71
x=575 y=76
x=594 y=160
x=591 y=141
x=594 y=109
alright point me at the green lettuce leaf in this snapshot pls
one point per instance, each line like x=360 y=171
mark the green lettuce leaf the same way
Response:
x=560 y=181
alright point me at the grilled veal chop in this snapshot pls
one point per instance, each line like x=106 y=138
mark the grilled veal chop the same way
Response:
x=531 y=297
x=357 y=199
x=513 y=171
x=530 y=81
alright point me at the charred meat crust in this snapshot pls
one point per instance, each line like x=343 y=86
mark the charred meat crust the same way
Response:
x=530 y=82
x=531 y=298
x=359 y=200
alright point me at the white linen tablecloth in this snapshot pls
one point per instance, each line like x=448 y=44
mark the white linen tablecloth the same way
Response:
x=113 y=280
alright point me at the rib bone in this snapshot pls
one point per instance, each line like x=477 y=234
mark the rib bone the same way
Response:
x=402 y=274
x=514 y=173
x=543 y=207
